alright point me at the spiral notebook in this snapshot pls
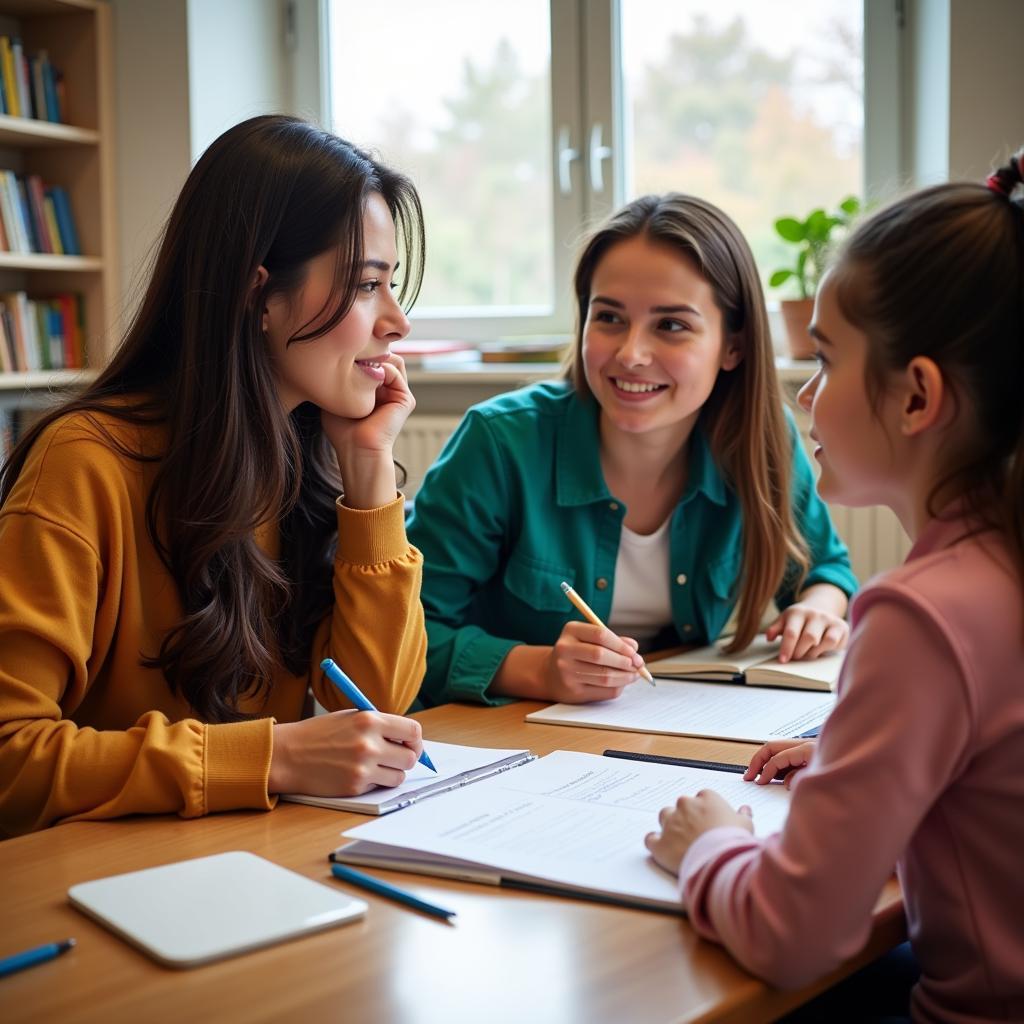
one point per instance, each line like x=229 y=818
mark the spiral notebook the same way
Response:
x=456 y=765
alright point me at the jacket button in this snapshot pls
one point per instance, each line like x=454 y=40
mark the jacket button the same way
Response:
x=613 y=505
x=687 y=628
x=681 y=579
x=601 y=584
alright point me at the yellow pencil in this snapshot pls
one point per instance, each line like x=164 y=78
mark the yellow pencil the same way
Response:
x=588 y=613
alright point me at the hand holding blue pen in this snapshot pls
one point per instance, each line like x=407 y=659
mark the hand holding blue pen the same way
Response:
x=359 y=700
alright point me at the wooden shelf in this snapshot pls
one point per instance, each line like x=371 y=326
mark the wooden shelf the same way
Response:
x=30 y=132
x=79 y=157
x=46 y=261
x=41 y=379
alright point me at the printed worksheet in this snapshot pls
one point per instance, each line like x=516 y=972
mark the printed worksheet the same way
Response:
x=570 y=820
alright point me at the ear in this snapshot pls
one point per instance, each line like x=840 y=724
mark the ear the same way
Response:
x=923 y=397
x=732 y=354
x=259 y=280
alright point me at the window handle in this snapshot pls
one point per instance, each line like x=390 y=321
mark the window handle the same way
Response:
x=598 y=154
x=566 y=156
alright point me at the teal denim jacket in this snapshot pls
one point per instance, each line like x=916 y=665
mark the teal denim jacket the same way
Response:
x=517 y=502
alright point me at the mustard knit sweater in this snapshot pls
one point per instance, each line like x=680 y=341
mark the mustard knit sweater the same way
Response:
x=86 y=731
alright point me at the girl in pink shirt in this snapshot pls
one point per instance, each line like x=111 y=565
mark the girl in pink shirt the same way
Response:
x=918 y=404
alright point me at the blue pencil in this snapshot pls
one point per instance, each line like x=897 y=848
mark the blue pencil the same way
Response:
x=375 y=885
x=354 y=694
x=31 y=957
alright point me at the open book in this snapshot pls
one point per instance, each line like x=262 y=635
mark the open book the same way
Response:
x=456 y=766
x=681 y=707
x=755 y=666
x=569 y=823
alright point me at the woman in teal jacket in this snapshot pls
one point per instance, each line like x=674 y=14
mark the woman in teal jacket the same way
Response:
x=662 y=479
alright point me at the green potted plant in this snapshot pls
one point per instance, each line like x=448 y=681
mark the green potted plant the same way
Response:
x=812 y=238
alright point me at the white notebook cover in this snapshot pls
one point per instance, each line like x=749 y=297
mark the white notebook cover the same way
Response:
x=195 y=911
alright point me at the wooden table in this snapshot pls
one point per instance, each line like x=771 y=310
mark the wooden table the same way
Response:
x=511 y=956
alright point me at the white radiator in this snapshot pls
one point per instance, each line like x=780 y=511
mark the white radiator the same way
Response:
x=419 y=443
x=874 y=536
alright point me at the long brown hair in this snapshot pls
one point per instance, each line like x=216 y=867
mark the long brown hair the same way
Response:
x=940 y=273
x=272 y=191
x=743 y=416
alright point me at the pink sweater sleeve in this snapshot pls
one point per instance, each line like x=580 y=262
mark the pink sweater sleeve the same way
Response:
x=792 y=906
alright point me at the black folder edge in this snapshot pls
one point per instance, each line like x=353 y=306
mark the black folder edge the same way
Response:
x=679 y=762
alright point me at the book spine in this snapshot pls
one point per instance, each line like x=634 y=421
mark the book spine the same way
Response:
x=68 y=327
x=12 y=320
x=27 y=315
x=10 y=86
x=66 y=222
x=21 y=78
x=17 y=215
x=6 y=350
x=58 y=344
x=50 y=213
x=38 y=86
x=7 y=210
x=53 y=89
x=34 y=185
x=25 y=207
x=56 y=80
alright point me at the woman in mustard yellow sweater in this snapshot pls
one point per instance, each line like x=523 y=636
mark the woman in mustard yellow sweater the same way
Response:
x=174 y=554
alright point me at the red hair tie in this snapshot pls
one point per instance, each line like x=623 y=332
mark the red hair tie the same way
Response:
x=995 y=182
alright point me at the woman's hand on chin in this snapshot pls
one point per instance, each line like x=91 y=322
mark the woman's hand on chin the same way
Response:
x=365 y=447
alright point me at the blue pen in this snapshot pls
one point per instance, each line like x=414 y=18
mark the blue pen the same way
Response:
x=31 y=957
x=347 y=874
x=354 y=694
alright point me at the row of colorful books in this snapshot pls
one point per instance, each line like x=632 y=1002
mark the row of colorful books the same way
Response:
x=41 y=334
x=29 y=86
x=35 y=217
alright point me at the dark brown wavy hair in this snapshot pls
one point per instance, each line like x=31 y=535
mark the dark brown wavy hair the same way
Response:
x=940 y=273
x=743 y=416
x=273 y=191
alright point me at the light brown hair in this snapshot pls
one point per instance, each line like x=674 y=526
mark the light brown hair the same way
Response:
x=743 y=417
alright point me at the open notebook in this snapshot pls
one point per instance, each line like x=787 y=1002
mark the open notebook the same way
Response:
x=456 y=766
x=570 y=823
x=755 y=666
x=680 y=707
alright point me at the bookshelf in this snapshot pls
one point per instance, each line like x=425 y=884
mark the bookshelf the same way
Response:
x=79 y=156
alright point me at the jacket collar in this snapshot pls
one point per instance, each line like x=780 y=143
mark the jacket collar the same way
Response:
x=580 y=480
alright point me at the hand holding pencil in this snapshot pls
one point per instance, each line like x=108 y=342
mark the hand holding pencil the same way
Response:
x=588 y=661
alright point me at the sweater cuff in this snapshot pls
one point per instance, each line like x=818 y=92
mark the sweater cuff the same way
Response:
x=237 y=765
x=374 y=535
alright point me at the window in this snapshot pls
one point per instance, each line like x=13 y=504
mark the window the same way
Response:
x=523 y=125
x=758 y=108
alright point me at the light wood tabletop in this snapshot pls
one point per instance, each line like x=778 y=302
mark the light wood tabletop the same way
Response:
x=509 y=955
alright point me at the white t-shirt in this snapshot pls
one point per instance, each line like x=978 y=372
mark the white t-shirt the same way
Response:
x=642 y=600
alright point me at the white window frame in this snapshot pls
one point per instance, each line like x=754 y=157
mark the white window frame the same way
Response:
x=588 y=144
